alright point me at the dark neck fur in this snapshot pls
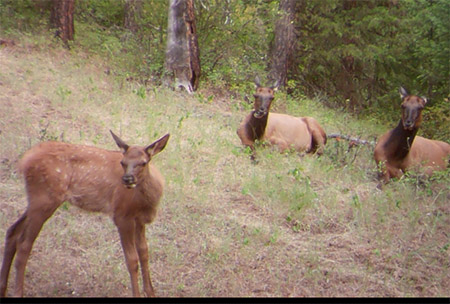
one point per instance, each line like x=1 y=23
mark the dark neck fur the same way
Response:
x=400 y=141
x=256 y=126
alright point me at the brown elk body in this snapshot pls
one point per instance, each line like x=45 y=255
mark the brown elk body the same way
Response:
x=400 y=149
x=124 y=185
x=281 y=130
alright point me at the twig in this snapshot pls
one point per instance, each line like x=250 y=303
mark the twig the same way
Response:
x=353 y=140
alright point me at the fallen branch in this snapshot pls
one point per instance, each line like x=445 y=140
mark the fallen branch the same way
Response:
x=352 y=140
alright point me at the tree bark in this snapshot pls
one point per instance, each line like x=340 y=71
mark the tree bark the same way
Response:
x=182 y=54
x=61 y=18
x=347 y=76
x=132 y=12
x=284 y=42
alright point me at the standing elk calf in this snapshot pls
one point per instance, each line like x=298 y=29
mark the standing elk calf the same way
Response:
x=400 y=149
x=284 y=131
x=124 y=185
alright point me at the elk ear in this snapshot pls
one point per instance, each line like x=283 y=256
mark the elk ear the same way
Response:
x=257 y=81
x=157 y=146
x=425 y=100
x=275 y=86
x=403 y=92
x=120 y=143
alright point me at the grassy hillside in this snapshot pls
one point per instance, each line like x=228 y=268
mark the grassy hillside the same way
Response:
x=291 y=225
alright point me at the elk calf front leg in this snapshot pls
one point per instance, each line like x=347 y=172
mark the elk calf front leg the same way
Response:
x=127 y=231
x=142 y=249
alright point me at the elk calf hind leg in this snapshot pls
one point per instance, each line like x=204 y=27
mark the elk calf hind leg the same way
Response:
x=24 y=232
x=33 y=226
x=10 y=251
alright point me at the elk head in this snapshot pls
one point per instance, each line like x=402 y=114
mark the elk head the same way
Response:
x=412 y=107
x=135 y=159
x=263 y=98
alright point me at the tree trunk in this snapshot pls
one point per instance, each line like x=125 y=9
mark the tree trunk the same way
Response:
x=132 y=12
x=345 y=82
x=284 y=41
x=347 y=76
x=182 y=54
x=61 y=18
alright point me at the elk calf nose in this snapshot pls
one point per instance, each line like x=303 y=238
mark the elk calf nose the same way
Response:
x=128 y=180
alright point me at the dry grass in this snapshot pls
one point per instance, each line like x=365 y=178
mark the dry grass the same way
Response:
x=289 y=226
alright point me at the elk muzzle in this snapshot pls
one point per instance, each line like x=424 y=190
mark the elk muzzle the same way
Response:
x=129 y=181
x=259 y=113
x=262 y=105
x=410 y=118
x=408 y=124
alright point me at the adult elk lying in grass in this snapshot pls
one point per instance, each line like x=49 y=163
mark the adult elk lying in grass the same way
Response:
x=124 y=185
x=400 y=149
x=284 y=131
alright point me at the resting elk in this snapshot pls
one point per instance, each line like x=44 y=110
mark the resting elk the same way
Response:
x=281 y=130
x=123 y=184
x=400 y=149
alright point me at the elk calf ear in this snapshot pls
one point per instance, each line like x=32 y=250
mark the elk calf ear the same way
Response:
x=403 y=92
x=120 y=143
x=157 y=146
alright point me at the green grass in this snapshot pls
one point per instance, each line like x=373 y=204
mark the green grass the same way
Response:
x=288 y=226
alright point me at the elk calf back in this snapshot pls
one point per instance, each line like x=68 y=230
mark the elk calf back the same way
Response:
x=83 y=175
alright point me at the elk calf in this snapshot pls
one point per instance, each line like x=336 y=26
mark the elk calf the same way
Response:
x=284 y=131
x=400 y=149
x=124 y=185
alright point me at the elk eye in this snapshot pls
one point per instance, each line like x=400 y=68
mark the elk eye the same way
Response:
x=122 y=164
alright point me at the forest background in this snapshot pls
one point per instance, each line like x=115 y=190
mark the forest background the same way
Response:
x=349 y=54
